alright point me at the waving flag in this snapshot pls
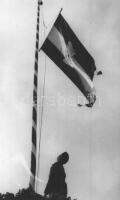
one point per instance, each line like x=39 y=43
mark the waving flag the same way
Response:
x=69 y=54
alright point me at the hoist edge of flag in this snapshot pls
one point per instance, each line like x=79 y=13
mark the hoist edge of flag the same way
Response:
x=50 y=28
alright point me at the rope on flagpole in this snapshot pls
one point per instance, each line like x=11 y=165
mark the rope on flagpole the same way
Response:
x=34 y=111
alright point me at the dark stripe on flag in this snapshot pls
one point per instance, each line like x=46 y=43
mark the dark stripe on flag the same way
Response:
x=81 y=54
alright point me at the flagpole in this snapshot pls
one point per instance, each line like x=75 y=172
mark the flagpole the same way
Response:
x=34 y=109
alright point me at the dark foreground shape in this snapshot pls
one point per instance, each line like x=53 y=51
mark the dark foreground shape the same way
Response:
x=56 y=187
x=24 y=194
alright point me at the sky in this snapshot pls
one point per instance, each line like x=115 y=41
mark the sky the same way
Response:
x=90 y=136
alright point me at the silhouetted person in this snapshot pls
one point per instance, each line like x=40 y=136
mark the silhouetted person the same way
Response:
x=56 y=187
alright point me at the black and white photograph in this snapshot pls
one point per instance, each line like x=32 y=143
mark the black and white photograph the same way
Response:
x=59 y=100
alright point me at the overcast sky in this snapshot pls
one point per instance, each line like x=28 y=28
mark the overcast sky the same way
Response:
x=90 y=136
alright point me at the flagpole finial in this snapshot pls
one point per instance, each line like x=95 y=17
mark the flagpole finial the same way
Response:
x=61 y=10
x=40 y=2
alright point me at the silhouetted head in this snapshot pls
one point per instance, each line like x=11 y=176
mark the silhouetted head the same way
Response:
x=63 y=158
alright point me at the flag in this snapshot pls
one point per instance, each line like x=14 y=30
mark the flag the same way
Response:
x=64 y=48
